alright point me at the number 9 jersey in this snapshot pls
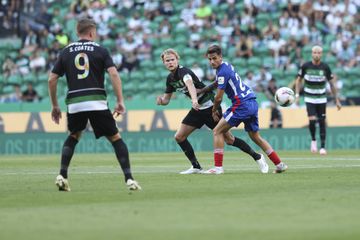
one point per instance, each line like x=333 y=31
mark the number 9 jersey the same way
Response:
x=229 y=81
x=84 y=63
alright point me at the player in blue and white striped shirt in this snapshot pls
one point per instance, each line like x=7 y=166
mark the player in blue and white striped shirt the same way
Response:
x=244 y=109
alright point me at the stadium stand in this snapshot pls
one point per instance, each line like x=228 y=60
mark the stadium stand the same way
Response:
x=276 y=35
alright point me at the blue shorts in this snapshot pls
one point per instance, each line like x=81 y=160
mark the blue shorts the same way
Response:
x=246 y=112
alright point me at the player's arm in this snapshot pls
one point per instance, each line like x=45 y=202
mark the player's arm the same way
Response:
x=52 y=85
x=297 y=89
x=164 y=99
x=117 y=86
x=192 y=91
x=208 y=88
x=335 y=93
x=217 y=101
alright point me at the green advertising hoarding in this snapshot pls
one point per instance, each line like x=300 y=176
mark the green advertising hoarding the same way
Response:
x=163 y=141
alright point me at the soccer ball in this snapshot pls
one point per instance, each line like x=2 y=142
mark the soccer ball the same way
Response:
x=284 y=96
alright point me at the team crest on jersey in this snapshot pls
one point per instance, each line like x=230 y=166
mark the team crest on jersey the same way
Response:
x=221 y=80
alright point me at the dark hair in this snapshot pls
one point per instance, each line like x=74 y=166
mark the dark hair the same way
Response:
x=84 y=25
x=214 y=49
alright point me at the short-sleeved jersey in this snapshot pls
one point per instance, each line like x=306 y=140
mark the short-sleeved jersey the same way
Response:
x=84 y=64
x=176 y=82
x=315 y=79
x=229 y=81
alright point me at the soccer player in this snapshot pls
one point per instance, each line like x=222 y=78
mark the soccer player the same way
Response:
x=84 y=63
x=316 y=75
x=244 y=109
x=184 y=80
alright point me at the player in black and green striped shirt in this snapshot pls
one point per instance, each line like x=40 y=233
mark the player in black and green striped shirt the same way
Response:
x=316 y=74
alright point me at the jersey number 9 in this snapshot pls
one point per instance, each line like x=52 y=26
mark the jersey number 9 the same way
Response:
x=82 y=67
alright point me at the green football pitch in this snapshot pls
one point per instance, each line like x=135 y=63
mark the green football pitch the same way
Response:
x=317 y=198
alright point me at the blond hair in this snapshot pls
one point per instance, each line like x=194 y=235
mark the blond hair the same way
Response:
x=316 y=47
x=168 y=52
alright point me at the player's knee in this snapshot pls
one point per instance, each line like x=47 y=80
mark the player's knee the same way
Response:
x=229 y=140
x=179 y=138
x=76 y=135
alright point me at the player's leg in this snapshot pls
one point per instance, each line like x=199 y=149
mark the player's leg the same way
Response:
x=122 y=155
x=243 y=146
x=76 y=123
x=181 y=138
x=103 y=124
x=311 y=111
x=321 y=110
x=230 y=139
x=218 y=132
x=192 y=121
x=270 y=152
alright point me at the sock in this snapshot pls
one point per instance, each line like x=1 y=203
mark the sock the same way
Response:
x=312 y=128
x=122 y=155
x=189 y=153
x=66 y=155
x=274 y=157
x=218 y=157
x=243 y=146
x=322 y=126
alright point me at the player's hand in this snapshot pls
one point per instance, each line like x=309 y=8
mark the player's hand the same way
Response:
x=119 y=109
x=297 y=101
x=159 y=100
x=338 y=104
x=196 y=105
x=56 y=114
x=216 y=116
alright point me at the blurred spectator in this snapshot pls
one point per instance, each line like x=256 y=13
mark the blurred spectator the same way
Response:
x=13 y=97
x=263 y=77
x=244 y=48
x=275 y=117
x=166 y=8
x=251 y=82
x=164 y=29
x=346 y=54
x=203 y=10
x=9 y=67
x=151 y=9
x=30 y=94
x=22 y=62
x=61 y=37
x=78 y=8
x=29 y=41
x=37 y=62
x=225 y=29
x=144 y=49
x=52 y=54
x=117 y=58
x=275 y=44
x=195 y=37
x=199 y=72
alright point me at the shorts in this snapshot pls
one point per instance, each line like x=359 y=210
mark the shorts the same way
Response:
x=318 y=110
x=199 y=118
x=102 y=122
x=246 y=112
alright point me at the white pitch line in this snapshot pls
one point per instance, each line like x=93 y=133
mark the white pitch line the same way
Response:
x=172 y=169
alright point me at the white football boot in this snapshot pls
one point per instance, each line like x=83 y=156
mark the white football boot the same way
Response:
x=133 y=185
x=192 y=170
x=263 y=166
x=313 y=147
x=214 y=170
x=281 y=167
x=62 y=183
x=322 y=151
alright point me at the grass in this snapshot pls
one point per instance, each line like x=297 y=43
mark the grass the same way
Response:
x=318 y=198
